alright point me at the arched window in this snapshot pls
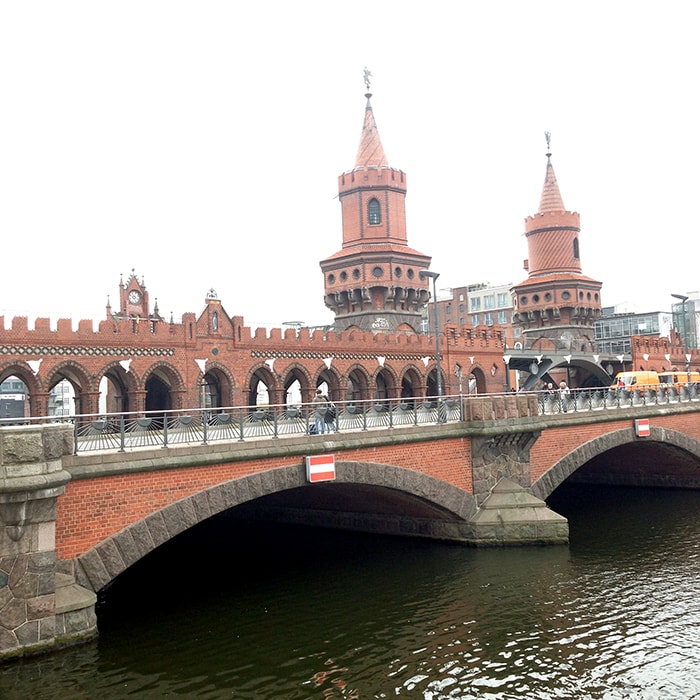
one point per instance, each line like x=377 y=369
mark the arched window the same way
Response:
x=374 y=212
x=576 y=248
x=215 y=321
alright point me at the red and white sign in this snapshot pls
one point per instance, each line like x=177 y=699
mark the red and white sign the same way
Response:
x=641 y=427
x=320 y=468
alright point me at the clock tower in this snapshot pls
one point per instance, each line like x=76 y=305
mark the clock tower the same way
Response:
x=133 y=300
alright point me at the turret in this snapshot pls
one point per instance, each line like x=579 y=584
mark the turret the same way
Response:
x=556 y=301
x=373 y=281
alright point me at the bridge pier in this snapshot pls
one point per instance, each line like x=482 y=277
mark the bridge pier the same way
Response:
x=508 y=513
x=37 y=611
x=511 y=516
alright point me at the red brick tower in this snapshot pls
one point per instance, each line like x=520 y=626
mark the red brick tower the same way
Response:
x=373 y=282
x=556 y=301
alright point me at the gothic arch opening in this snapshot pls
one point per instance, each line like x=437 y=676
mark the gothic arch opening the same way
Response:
x=262 y=387
x=216 y=390
x=358 y=385
x=13 y=397
x=384 y=385
x=116 y=389
x=295 y=384
x=160 y=386
x=68 y=384
x=158 y=396
x=432 y=388
x=411 y=384
x=374 y=212
x=476 y=381
x=328 y=382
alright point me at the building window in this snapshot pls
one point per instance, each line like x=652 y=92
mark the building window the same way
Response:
x=576 y=248
x=488 y=318
x=374 y=212
x=475 y=304
x=489 y=301
x=503 y=299
x=475 y=319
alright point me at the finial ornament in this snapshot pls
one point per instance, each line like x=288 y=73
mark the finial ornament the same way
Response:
x=368 y=75
x=548 y=137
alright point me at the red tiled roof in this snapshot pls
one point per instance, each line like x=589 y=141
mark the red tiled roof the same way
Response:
x=370 y=153
x=551 y=197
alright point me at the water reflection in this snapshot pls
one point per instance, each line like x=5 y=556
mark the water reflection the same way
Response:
x=244 y=611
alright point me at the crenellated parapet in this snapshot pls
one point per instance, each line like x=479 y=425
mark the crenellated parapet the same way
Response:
x=372 y=176
x=150 y=363
x=663 y=354
x=545 y=220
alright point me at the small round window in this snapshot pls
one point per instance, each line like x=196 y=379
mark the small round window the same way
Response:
x=343 y=276
x=331 y=279
x=523 y=300
x=356 y=274
x=566 y=295
x=377 y=271
x=397 y=272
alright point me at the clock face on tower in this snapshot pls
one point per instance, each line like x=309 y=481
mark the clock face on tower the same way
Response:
x=134 y=297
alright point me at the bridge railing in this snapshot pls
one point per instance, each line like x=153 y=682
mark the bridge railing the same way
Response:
x=603 y=398
x=126 y=431
x=129 y=431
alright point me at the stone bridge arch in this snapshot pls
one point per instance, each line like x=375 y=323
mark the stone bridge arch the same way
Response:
x=565 y=467
x=439 y=510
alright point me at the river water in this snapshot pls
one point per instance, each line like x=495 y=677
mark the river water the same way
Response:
x=241 y=610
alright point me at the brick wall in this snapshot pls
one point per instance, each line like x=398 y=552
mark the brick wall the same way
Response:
x=92 y=509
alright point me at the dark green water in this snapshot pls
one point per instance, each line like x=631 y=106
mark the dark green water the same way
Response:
x=238 y=610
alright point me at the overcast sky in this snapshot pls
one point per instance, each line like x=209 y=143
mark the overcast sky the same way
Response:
x=199 y=144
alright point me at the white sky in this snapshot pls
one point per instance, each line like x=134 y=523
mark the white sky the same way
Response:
x=200 y=142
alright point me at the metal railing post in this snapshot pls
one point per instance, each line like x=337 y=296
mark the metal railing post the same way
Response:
x=122 y=433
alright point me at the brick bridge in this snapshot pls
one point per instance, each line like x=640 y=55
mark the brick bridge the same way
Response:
x=73 y=522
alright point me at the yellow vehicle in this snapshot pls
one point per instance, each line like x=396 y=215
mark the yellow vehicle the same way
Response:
x=678 y=378
x=631 y=381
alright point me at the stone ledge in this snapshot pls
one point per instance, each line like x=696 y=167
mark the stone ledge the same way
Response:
x=70 y=596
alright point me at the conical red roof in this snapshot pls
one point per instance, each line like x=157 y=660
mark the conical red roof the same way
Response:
x=551 y=197
x=370 y=154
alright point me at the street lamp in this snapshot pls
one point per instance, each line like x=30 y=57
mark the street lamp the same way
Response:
x=683 y=299
x=433 y=276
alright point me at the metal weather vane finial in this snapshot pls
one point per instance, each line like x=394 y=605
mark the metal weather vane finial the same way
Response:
x=368 y=75
x=548 y=137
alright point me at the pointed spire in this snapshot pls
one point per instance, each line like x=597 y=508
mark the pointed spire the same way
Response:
x=370 y=153
x=551 y=199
